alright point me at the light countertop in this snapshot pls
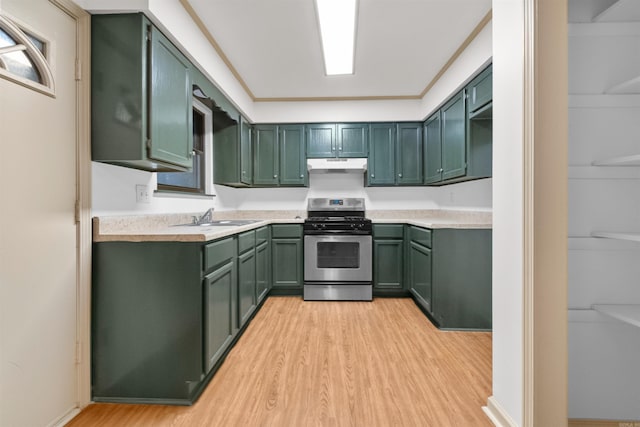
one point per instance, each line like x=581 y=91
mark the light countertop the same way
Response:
x=163 y=228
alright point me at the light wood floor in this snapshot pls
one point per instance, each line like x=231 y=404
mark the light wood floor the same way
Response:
x=334 y=364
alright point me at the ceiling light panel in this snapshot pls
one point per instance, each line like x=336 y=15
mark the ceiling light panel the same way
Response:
x=337 y=20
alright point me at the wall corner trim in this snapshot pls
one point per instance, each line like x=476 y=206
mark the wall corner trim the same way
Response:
x=497 y=414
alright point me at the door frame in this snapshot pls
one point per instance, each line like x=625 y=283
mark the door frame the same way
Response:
x=83 y=202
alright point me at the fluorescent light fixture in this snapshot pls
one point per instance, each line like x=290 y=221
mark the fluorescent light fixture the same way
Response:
x=337 y=20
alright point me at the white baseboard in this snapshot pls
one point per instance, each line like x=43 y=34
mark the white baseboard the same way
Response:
x=497 y=415
x=63 y=420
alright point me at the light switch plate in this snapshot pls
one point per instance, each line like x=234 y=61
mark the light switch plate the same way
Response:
x=142 y=193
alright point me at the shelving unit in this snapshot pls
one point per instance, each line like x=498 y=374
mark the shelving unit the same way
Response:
x=627 y=313
x=603 y=265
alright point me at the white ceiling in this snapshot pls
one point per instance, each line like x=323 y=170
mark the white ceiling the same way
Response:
x=401 y=45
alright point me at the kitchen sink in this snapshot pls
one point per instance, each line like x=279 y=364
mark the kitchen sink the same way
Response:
x=222 y=223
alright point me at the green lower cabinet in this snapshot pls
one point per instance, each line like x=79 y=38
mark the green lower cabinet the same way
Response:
x=246 y=286
x=461 y=278
x=388 y=260
x=420 y=274
x=147 y=321
x=220 y=312
x=263 y=270
x=286 y=252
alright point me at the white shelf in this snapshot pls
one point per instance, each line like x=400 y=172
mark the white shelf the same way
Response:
x=628 y=313
x=633 y=160
x=603 y=173
x=603 y=101
x=604 y=29
x=620 y=11
x=630 y=87
x=631 y=236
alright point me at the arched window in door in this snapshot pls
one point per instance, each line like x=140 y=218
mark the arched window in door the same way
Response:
x=23 y=57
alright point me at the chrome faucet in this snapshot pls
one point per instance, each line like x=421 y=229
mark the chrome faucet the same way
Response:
x=206 y=217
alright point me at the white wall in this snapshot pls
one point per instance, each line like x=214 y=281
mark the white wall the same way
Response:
x=114 y=194
x=508 y=45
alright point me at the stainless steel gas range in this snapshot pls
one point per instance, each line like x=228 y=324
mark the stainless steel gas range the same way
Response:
x=337 y=251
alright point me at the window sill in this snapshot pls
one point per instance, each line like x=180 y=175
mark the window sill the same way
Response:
x=182 y=195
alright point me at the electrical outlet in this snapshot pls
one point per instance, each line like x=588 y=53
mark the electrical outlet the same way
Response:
x=142 y=193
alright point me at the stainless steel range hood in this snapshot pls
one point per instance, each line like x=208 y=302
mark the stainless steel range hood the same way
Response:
x=337 y=165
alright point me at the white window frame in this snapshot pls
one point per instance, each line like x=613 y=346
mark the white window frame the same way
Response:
x=207 y=153
x=39 y=60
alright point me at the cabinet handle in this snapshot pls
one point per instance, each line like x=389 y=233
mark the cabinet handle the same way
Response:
x=340 y=147
x=399 y=175
x=275 y=176
x=373 y=176
x=301 y=176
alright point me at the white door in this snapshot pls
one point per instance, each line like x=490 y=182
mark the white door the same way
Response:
x=38 y=255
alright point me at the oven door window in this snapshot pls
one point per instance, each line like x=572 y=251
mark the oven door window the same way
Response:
x=338 y=254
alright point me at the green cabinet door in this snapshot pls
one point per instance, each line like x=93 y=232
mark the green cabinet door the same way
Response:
x=480 y=90
x=246 y=286
x=388 y=260
x=382 y=151
x=246 y=159
x=287 y=263
x=409 y=154
x=353 y=140
x=171 y=135
x=265 y=150
x=387 y=264
x=420 y=274
x=432 y=149
x=220 y=300
x=321 y=140
x=293 y=162
x=454 y=138
x=263 y=270
x=286 y=255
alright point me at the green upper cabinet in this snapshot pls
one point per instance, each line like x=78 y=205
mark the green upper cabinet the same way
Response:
x=432 y=149
x=329 y=140
x=321 y=140
x=480 y=90
x=409 y=154
x=395 y=154
x=232 y=149
x=293 y=162
x=353 y=140
x=140 y=95
x=279 y=155
x=454 y=148
x=382 y=145
x=480 y=126
x=265 y=150
x=458 y=137
x=246 y=158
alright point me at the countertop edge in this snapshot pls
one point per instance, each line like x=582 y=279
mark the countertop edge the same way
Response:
x=170 y=234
